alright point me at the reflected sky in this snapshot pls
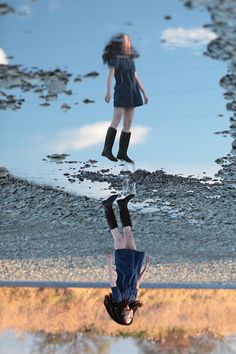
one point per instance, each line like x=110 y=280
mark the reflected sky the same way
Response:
x=29 y=343
x=46 y=320
x=175 y=131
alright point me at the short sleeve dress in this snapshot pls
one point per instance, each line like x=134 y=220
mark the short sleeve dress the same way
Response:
x=128 y=267
x=126 y=90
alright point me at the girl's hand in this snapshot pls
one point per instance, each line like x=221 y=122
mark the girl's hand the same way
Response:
x=147 y=262
x=145 y=98
x=108 y=97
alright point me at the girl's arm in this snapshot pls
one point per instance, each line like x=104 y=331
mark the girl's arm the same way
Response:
x=141 y=87
x=111 y=279
x=109 y=82
x=146 y=266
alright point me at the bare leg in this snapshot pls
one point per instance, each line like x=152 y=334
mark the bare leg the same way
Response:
x=119 y=241
x=125 y=135
x=128 y=117
x=117 y=115
x=129 y=239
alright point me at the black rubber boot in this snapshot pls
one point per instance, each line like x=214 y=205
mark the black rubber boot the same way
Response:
x=124 y=212
x=123 y=147
x=109 y=141
x=109 y=213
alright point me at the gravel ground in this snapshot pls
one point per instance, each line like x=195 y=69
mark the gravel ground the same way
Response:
x=187 y=227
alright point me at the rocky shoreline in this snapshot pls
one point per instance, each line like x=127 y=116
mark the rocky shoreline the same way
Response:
x=187 y=227
x=223 y=23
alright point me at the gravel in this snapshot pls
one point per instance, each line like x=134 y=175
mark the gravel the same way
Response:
x=188 y=228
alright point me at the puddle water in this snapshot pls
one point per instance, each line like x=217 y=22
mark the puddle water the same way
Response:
x=53 y=88
x=84 y=343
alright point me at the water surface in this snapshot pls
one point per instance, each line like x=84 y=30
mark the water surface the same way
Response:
x=175 y=131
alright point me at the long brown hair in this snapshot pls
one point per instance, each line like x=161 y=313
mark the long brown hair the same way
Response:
x=115 y=309
x=115 y=47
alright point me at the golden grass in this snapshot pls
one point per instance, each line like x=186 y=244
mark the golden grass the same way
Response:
x=177 y=311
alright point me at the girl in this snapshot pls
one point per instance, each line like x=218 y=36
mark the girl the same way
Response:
x=119 y=54
x=121 y=304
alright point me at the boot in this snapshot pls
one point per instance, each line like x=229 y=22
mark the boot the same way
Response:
x=124 y=212
x=123 y=147
x=109 y=213
x=109 y=141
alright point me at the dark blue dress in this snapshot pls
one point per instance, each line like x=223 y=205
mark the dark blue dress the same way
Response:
x=128 y=267
x=126 y=90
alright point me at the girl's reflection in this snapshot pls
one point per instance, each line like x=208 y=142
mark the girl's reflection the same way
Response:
x=121 y=304
x=119 y=54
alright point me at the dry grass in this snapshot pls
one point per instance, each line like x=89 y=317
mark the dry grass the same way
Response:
x=180 y=312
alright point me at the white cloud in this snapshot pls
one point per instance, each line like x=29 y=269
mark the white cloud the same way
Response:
x=3 y=57
x=139 y=134
x=182 y=37
x=92 y=134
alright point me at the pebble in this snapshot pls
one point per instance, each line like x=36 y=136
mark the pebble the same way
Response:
x=47 y=84
x=185 y=222
x=5 y=9
x=92 y=74
x=3 y=172
x=87 y=100
x=65 y=107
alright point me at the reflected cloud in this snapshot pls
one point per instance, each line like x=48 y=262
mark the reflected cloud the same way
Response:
x=183 y=37
x=3 y=57
x=92 y=134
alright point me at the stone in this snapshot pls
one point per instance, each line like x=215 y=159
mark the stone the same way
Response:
x=87 y=100
x=65 y=107
x=3 y=172
x=92 y=74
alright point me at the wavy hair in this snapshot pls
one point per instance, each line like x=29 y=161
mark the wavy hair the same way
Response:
x=115 y=47
x=115 y=309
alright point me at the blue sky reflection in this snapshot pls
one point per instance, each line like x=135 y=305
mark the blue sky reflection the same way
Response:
x=175 y=131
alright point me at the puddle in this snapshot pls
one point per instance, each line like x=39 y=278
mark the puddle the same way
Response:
x=90 y=343
x=52 y=92
x=223 y=48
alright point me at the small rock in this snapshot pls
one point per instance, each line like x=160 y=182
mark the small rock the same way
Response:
x=87 y=100
x=65 y=107
x=68 y=92
x=45 y=104
x=57 y=156
x=105 y=170
x=78 y=78
x=92 y=74
x=92 y=161
x=3 y=172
